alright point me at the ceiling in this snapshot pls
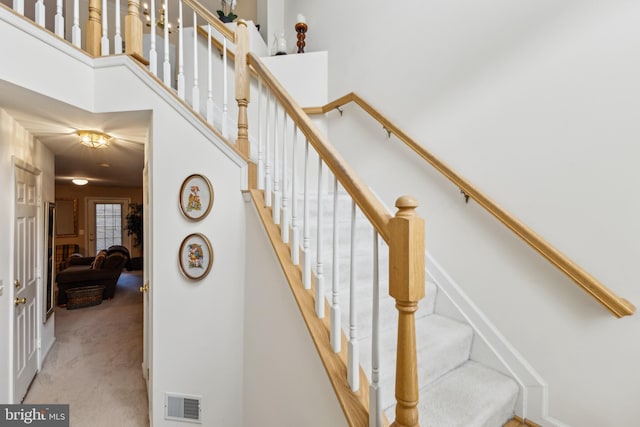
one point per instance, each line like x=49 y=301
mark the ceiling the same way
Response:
x=55 y=124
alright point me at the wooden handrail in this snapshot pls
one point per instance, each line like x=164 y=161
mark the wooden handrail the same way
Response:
x=617 y=305
x=361 y=194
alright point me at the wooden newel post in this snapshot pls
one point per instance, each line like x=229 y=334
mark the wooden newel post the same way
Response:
x=133 y=30
x=406 y=285
x=243 y=95
x=93 y=29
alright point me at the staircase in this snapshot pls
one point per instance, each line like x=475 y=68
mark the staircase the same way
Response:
x=454 y=390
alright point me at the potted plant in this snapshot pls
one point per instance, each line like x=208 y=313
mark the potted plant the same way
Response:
x=226 y=14
x=134 y=228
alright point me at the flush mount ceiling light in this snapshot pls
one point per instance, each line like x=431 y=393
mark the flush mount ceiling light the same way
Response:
x=79 y=181
x=94 y=139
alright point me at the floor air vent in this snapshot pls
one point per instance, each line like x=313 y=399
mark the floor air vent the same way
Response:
x=181 y=407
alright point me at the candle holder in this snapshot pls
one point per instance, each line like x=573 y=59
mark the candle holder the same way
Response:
x=301 y=30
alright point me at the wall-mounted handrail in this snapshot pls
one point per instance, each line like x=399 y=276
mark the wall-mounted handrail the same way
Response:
x=617 y=305
x=364 y=197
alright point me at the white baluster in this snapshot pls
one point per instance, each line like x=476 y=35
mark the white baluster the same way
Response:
x=260 y=138
x=225 y=91
x=353 y=359
x=166 y=65
x=104 y=41
x=180 y=51
x=268 y=179
x=375 y=402
x=306 y=250
x=76 y=33
x=335 y=334
x=18 y=6
x=195 y=100
x=39 y=13
x=209 y=78
x=319 y=254
x=295 y=233
x=59 y=19
x=284 y=215
x=153 y=53
x=117 y=39
x=276 y=170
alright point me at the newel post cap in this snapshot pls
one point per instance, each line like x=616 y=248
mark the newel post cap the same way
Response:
x=406 y=205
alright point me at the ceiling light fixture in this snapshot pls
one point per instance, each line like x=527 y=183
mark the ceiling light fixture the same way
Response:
x=160 y=22
x=79 y=181
x=94 y=139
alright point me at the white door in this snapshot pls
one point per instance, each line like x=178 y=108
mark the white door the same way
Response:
x=26 y=263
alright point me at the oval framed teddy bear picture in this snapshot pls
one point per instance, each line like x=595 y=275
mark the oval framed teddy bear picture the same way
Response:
x=195 y=257
x=196 y=197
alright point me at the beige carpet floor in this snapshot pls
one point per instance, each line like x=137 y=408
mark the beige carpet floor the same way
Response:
x=95 y=363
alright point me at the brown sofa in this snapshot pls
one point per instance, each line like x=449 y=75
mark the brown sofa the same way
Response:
x=81 y=272
x=63 y=252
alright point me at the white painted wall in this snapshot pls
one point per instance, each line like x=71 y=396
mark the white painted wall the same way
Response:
x=198 y=325
x=72 y=83
x=285 y=383
x=275 y=23
x=535 y=103
x=16 y=141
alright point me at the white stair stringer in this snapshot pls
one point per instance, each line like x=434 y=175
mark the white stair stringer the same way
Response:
x=454 y=390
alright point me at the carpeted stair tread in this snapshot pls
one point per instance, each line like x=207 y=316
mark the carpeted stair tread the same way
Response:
x=470 y=396
x=443 y=344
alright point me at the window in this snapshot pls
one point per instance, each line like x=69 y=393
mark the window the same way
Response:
x=108 y=225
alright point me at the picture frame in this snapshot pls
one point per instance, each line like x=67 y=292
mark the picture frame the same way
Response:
x=195 y=257
x=66 y=217
x=196 y=197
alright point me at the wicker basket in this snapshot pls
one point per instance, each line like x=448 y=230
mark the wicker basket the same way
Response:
x=84 y=297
